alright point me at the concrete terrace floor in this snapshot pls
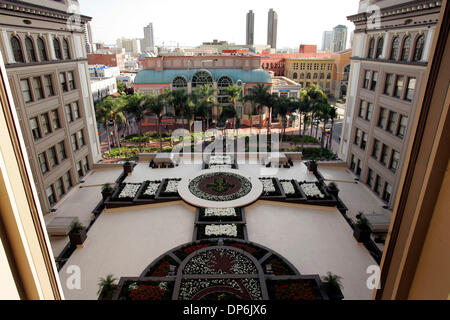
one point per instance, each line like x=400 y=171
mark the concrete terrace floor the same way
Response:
x=123 y=242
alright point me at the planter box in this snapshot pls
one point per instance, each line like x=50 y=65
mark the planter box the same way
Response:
x=361 y=235
x=128 y=168
x=335 y=295
x=78 y=238
x=107 y=194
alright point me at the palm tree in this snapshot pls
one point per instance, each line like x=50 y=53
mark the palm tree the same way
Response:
x=206 y=93
x=155 y=105
x=332 y=114
x=135 y=106
x=234 y=93
x=260 y=95
x=282 y=107
x=114 y=108
x=101 y=116
x=180 y=100
x=249 y=98
x=107 y=286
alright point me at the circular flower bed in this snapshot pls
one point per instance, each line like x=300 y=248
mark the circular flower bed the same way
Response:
x=201 y=289
x=220 y=186
x=220 y=261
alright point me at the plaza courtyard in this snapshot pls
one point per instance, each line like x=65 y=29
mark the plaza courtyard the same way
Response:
x=299 y=240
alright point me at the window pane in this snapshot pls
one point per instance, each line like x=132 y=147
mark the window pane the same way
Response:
x=411 y=88
x=49 y=85
x=38 y=91
x=17 y=50
x=373 y=85
x=50 y=195
x=43 y=163
x=69 y=113
x=402 y=127
x=61 y=151
x=406 y=49
x=31 y=54
x=57 y=49
x=26 y=90
x=52 y=157
x=76 y=110
x=35 y=128
x=62 y=80
x=67 y=180
x=392 y=121
x=399 y=86
x=74 y=142
x=41 y=50
x=55 y=120
x=59 y=187
x=71 y=80
x=45 y=124
x=389 y=84
x=369 y=112
x=66 y=49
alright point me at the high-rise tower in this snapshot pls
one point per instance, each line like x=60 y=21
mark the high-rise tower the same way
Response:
x=272 y=29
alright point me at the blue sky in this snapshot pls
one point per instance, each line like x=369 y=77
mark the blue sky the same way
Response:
x=189 y=23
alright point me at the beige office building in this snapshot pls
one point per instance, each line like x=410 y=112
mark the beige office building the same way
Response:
x=45 y=58
x=388 y=68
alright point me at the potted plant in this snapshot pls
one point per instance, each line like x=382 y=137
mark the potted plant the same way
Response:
x=107 y=287
x=77 y=234
x=107 y=191
x=362 y=229
x=128 y=167
x=333 y=189
x=332 y=286
x=312 y=165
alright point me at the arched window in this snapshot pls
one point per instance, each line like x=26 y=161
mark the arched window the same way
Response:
x=308 y=76
x=295 y=76
x=200 y=78
x=17 y=50
x=329 y=76
x=66 y=49
x=179 y=82
x=224 y=82
x=395 y=48
x=406 y=49
x=41 y=50
x=302 y=76
x=380 y=46
x=57 y=47
x=315 y=76
x=418 y=50
x=31 y=54
x=371 y=48
x=322 y=76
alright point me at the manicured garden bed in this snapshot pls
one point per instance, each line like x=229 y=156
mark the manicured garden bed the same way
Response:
x=272 y=189
x=215 y=231
x=162 y=267
x=279 y=267
x=149 y=190
x=299 y=289
x=183 y=252
x=146 y=290
x=255 y=251
x=291 y=189
x=169 y=188
x=220 y=215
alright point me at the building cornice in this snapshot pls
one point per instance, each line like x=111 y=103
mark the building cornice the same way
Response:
x=409 y=63
x=43 y=63
x=32 y=9
x=397 y=10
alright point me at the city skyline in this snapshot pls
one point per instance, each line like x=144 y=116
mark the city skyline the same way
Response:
x=193 y=31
